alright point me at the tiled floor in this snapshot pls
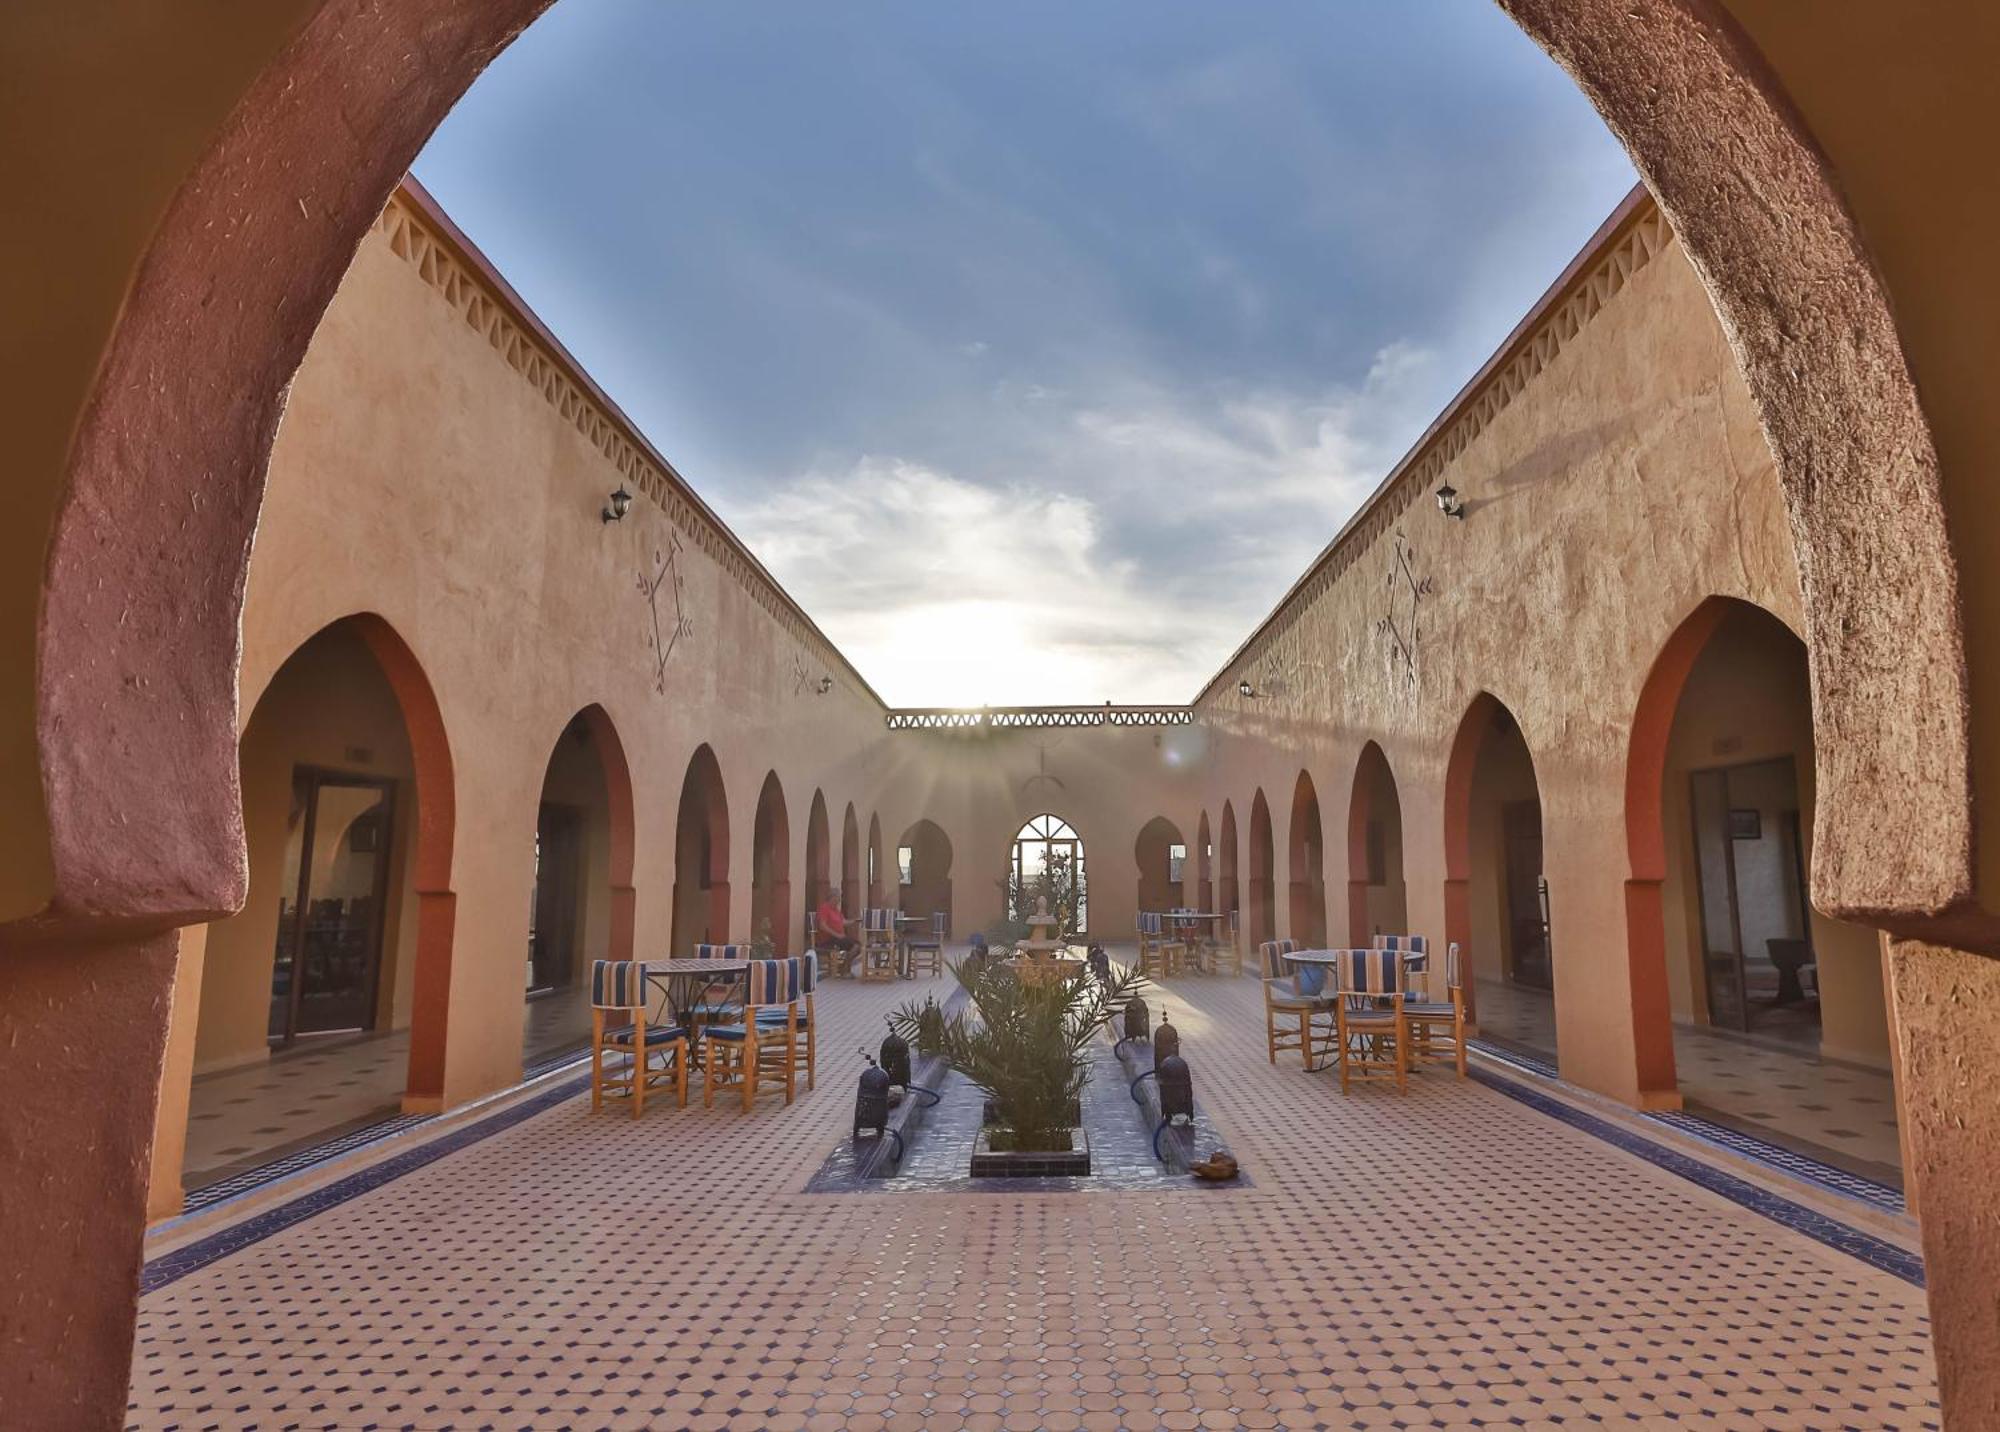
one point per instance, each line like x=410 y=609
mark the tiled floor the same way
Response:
x=1445 y=1258
x=1843 y=1114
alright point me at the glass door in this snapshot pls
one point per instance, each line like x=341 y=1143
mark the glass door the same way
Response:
x=329 y=945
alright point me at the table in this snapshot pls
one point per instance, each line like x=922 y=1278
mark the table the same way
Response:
x=681 y=981
x=1329 y=958
x=1184 y=918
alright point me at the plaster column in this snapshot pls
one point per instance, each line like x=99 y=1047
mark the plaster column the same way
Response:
x=83 y=1032
x=1947 y=1024
x=164 y=1197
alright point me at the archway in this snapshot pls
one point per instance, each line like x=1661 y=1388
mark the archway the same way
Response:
x=1495 y=899
x=1161 y=854
x=1204 y=865
x=819 y=856
x=1377 y=903
x=877 y=864
x=1776 y=1013
x=583 y=903
x=1048 y=861
x=1263 y=886
x=850 y=865
x=348 y=816
x=1230 y=894
x=771 y=868
x=701 y=857
x=923 y=872
x=1306 y=868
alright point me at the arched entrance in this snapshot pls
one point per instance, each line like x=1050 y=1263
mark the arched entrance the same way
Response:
x=583 y=902
x=1263 y=886
x=923 y=872
x=1377 y=903
x=1306 y=867
x=1227 y=890
x=850 y=865
x=1048 y=861
x=771 y=868
x=877 y=864
x=1779 y=1024
x=1204 y=865
x=819 y=855
x=1161 y=854
x=701 y=857
x=322 y=1002
x=1496 y=901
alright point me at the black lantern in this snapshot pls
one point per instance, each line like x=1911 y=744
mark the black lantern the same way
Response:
x=1176 y=1089
x=896 y=1060
x=1166 y=1042
x=871 y=1102
x=1100 y=965
x=1449 y=502
x=621 y=503
x=1138 y=1019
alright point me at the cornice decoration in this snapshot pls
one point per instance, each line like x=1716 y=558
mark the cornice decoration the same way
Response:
x=943 y=718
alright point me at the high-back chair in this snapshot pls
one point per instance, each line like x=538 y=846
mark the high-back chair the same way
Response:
x=878 y=945
x=773 y=1016
x=927 y=951
x=618 y=1027
x=1437 y=1016
x=1294 y=1018
x=1416 y=951
x=1372 y=1030
x=760 y=1049
x=719 y=1002
x=1160 y=953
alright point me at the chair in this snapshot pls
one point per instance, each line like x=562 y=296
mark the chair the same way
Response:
x=878 y=945
x=928 y=950
x=1284 y=999
x=708 y=1009
x=1416 y=952
x=1195 y=948
x=759 y=1049
x=774 y=1017
x=1159 y=953
x=1372 y=1033
x=618 y=988
x=1427 y=1015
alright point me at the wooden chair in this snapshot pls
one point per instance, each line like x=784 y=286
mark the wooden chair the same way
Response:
x=1372 y=1033
x=618 y=998
x=717 y=1004
x=760 y=1049
x=928 y=950
x=1194 y=949
x=1437 y=1017
x=1160 y=954
x=1293 y=1018
x=1416 y=951
x=878 y=945
x=773 y=1017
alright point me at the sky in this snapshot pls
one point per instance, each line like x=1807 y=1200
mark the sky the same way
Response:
x=1036 y=348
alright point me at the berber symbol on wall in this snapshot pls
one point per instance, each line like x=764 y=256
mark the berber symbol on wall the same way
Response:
x=666 y=634
x=1402 y=624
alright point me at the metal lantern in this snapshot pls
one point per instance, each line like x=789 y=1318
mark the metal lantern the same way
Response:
x=871 y=1102
x=1100 y=965
x=1166 y=1041
x=1138 y=1019
x=896 y=1060
x=1176 y=1089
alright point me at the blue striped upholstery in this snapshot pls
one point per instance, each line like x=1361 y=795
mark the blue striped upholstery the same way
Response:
x=722 y=952
x=1416 y=949
x=1370 y=972
x=656 y=1035
x=1149 y=923
x=879 y=922
x=1271 y=957
x=772 y=987
x=618 y=984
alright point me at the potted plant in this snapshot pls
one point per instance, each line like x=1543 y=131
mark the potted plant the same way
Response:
x=1025 y=1045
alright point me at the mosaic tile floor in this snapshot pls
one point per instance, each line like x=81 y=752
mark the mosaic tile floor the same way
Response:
x=243 y=1117
x=1843 y=1114
x=1450 y=1258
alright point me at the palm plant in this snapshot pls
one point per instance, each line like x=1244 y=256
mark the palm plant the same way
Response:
x=1024 y=1043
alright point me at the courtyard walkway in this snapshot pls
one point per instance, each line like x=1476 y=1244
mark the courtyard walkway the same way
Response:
x=1452 y=1258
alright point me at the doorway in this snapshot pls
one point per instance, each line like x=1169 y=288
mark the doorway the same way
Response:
x=552 y=918
x=1756 y=932
x=329 y=947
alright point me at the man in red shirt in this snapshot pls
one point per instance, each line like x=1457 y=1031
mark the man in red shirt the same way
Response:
x=833 y=932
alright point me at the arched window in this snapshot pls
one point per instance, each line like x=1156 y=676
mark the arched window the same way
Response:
x=1048 y=860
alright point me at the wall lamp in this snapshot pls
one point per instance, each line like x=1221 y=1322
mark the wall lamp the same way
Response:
x=1450 y=503
x=1245 y=689
x=823 y=685
x=621 y=503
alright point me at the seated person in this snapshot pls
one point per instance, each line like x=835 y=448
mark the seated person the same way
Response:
x=833 y=933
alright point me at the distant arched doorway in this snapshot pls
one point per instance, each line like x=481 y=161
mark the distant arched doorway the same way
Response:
x=701 y=857
x=819 y=853
x=1048 y=860
x=877 y=864
x=1376 y=900
x=1228 y=893
x=1263 y=883
x=1306 y=867
x=771 y=868
x=1204 y=865
x=923 y=872
x=1161 y=854
x=1495 y=899
x=850 y=865
x=583 y=902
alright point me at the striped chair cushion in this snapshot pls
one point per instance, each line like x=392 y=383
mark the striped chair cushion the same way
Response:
x=722 y=952
x=1370 y=972
x=1428 y=1009
x=1149 y=923
x=1271 y=957
x=773 y=982
x=618 y=984
x=1416 y=950
x=655 y=1035
x=879 y=921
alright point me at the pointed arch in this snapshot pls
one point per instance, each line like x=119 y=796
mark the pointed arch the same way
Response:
x=1375 y=895
x=1492 y=838
x=1204 y=864
x=850 y=865
x=1306 y=866
x=1161 y=881
x=924 y=888
x=771 y=867
x=819 y=855
x=1263 y=882
x=1228 y=891
x=877 y=871
x=701 y=856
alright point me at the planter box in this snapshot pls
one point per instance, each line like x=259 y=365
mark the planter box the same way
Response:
x=988 y=1162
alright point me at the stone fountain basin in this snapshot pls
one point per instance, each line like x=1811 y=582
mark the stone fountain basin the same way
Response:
x=989 y=1162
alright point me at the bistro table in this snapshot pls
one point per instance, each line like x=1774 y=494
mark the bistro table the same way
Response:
x=684 y=983
x=1327 y=959
x=1184 y=921
x=904 y=924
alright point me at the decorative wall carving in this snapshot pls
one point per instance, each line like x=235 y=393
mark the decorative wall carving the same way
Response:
x=1402 y=623
x=665 y=635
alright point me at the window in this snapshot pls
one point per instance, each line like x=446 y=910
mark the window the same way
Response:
x=1176 y=863
x=1048 y=859
x=905 y=861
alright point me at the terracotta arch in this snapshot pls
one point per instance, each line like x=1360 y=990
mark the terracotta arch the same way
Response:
x=850 y=864
x=1151 y=853
x=701 y=856
x=819 y=867
x=771 y=866
x=1306 y=866
x=1227 y=889
x=617 y=773
x=929 y=890
x=1263 y=886
x=1204 y=865
x=1374 y=800
x=878 y=868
